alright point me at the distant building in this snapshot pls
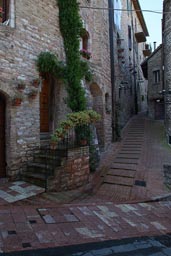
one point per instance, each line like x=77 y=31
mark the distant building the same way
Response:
x=130 y=50
x=167 y=64
x=152 y=69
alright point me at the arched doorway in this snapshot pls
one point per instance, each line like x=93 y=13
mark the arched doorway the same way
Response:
x=44 y=107
x=2 y=137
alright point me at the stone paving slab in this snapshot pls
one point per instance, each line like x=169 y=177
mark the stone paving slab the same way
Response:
x=29 y=227
x=11 y=192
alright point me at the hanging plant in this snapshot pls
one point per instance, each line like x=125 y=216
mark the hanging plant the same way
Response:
x=17 y=99
x=48 y=63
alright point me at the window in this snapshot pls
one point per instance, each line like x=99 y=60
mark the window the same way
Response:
x=156 y=76
x=84 y=45
x=4 y=10
x=129 y=38
x=117 y=14
x=107 y=103
x=128 y=7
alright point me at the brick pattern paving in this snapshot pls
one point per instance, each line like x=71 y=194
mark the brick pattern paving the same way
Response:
x=30 y=227
x=11 y=192
x=135 y=170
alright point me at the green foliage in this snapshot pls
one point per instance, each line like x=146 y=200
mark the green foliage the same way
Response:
x=86 y=72
x=80 y=119
x=47 y=62
x=71 y=28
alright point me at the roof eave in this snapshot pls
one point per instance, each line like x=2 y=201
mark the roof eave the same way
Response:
x=140 y=16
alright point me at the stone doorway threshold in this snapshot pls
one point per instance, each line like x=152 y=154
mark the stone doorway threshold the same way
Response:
x=11 y=192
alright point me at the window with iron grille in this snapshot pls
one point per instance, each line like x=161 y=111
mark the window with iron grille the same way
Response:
x=129 y=38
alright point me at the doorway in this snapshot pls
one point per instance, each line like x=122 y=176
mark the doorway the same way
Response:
x=2 y=137
x=44 y=107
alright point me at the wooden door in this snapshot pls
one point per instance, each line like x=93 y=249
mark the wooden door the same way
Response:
x=44 y=107
x=2 y=138
x=159 y=111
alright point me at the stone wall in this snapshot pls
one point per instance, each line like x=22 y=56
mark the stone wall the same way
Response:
x=128 y=71
x=154 y=89
x=97 y=25
x=74 y=172
x=167 y=63
x=36 y=29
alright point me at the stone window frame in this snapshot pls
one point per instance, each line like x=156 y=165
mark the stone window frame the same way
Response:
x=156 y=76
x=8 y=17
x=107 y=103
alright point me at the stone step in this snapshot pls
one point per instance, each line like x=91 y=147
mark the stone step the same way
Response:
x=49 y=160
x=122 y=172
x=130 y=150
x=126 y=181
x=38 y=179
x=127 y=156
x=128 y=153
x=40 y=167
x=126 y=161
x=124 y=166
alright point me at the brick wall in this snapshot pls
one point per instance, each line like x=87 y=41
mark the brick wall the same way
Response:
x=74 y=172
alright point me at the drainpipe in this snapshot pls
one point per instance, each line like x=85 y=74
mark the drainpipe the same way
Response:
x=112 y=66
x=134 y=65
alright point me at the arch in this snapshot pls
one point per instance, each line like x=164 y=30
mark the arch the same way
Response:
x=107 y=103
x=97 y=99
x=85 y=40
x=2 y=136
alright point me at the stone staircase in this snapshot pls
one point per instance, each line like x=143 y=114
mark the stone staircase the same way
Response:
x=42 y=166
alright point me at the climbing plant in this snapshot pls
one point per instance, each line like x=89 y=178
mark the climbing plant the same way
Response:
x=71 y=28
x=48 y=62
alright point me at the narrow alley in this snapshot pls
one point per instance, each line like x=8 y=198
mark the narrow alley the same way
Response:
x=131 y=202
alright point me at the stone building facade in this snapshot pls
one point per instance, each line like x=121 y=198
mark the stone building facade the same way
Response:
x=28 y=28
x=130 y=32
x=153 y=72
x=167 y=65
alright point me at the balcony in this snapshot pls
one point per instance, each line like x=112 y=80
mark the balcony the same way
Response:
x=140 y=37
x=147 y=51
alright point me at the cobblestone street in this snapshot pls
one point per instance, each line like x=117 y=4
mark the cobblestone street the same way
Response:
x=130 y=203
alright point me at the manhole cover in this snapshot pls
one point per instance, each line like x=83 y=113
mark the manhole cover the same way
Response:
x=140 y=183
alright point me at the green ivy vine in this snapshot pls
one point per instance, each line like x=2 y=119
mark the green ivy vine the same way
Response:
x=75 y=69
x=71 y=28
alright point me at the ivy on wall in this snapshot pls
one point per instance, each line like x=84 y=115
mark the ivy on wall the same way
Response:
x=71 y=27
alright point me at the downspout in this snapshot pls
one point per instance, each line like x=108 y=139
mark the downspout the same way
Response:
x=134 y=65
x=112 y=66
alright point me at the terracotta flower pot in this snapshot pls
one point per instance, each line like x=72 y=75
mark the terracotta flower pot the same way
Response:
x=16 y=102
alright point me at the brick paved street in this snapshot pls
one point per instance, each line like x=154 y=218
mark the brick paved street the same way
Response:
x=122 y=207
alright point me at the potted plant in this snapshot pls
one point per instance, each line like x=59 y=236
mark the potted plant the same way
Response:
x=80 y=122
x=85 y=54
x=17 y=99
x=1 y=14
x=21 y=85
x=83 y=135
x=32 y=93
x=36 y=82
